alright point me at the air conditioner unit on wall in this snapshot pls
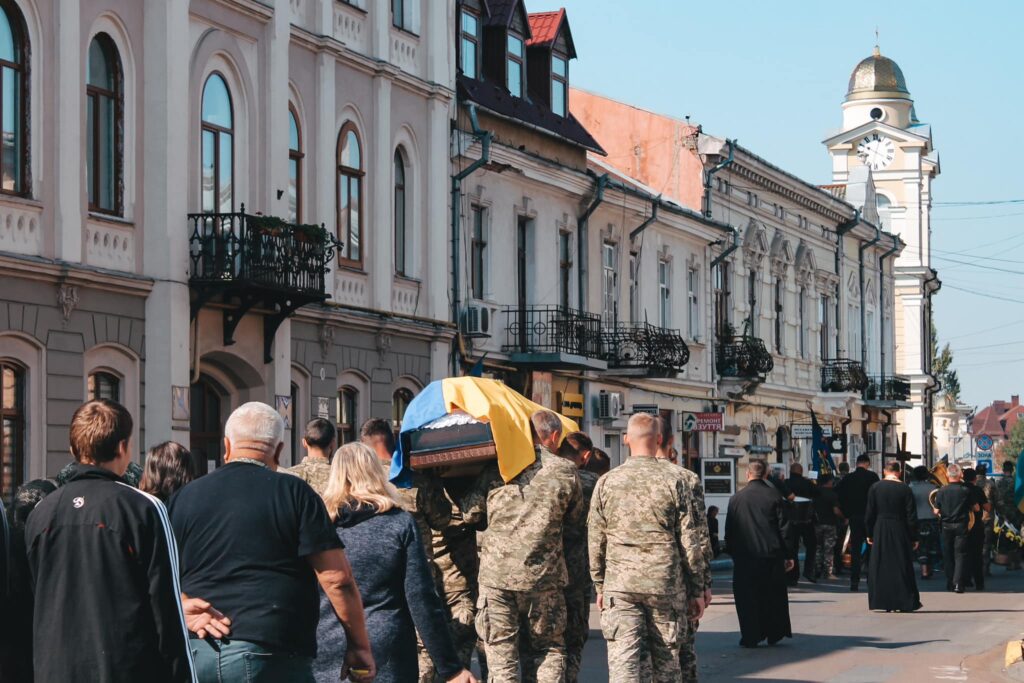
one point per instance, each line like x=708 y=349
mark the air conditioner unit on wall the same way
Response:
x=609 y=405
x=476 y=321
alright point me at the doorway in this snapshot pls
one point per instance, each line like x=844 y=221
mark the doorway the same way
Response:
x=206 y=439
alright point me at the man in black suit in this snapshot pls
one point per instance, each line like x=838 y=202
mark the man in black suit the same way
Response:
x=753 y=534
x=954 y=506
x=801 y=522
x=853 y=500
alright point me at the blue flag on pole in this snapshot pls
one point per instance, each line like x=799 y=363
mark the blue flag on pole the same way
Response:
x=822 y=461
x=1018 y=484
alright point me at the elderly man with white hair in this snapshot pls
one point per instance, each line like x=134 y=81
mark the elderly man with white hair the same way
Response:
x=254 y=543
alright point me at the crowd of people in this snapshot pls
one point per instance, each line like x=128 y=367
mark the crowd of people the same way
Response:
x=326 y=571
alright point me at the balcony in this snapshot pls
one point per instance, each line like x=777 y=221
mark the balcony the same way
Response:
x=887 y=391
x=642 y=348
x=552 y=336
x=840 y=375
x=246 y=262
x=743 y=357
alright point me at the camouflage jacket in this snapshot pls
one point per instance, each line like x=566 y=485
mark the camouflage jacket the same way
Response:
x=522 y=546
x=426 y=502
x=642 y=535
x=700 y=517
x=1002 y=501
x=577 y=560
x=455 y=554
x=314 y=471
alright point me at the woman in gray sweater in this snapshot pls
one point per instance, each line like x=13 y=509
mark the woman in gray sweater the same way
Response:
x=391 y=570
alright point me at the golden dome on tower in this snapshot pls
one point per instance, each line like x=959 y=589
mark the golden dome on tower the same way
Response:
x=877 y=77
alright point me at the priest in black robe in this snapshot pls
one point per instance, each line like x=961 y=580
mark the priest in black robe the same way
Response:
x=891 y=523
x=754 y=538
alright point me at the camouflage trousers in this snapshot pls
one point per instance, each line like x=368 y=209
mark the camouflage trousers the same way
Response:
x=577 y=628
x=427 y=673
x=508 y=621
x=687 y=652
x=637 y=627
x=824 y=561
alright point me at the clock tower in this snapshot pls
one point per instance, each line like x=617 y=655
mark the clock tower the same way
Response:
x=881 y=131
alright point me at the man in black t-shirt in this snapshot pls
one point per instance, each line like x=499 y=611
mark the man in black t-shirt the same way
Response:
x=975 y=567
x=800 y=525
x=953 y=505
x=254 y=543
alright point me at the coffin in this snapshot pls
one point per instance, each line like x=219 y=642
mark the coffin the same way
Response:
x=450 y=441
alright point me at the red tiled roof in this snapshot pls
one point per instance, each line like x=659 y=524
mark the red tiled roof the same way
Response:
x=836 y=190
x=997 y=419
x=545 y=26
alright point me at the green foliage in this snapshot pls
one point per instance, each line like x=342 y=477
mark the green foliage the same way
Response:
x=942 y=368
x=1011 y=448
x=277 y=226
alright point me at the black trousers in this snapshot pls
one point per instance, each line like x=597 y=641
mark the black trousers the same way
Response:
x=954 y=554
x=857 y=536
x=976 y=556
x=796 y=532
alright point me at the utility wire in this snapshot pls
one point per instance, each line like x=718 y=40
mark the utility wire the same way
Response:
x=985 y=294
x=976 y=264
x=1001 y=326
x=991 y=202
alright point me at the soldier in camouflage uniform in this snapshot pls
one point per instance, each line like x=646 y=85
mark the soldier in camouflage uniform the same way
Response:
x=688 y=625
x=319 y=440
x=1004 y=506
x=425 y=501
x=522 y=563
x=580 y=449
x=645 y=555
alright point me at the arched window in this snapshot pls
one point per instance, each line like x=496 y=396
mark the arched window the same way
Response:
x=350 y=196
x=218 y=147
x=103 y=92
x=13 y=97
x=348 y=402
x=294 y=167
x=400 y=229
x=400 y=401
x=104 y=385
x=12 y=429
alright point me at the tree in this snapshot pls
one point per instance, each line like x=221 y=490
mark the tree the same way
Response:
x=942 y=367
x=1014 y=444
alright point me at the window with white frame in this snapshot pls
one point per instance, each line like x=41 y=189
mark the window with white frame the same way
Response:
x=478 y=265
x=565 y=269
x=780 y=313
x=634 y=287
x=402 y=14
x=801 y=323
x=559 y=85
x=515 y=65
x=469 y=45
x=723 y=288
x=871 y=340
x=853 y=336
x=824 y=329
x=664 y=292
x=609 y=280
x=693 y=301
x=752 y=286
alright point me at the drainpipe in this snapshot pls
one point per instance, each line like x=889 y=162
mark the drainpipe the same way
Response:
x=712 y=171
x=731 y=248
x=863 y=299
x=936 y=384
x=485 y=137
x=650 y=219
x=582 y=223
x=881 y=296
x=845 y=426
x=841 y=231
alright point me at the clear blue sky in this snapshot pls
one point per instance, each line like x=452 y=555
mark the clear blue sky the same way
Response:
x=774 y=75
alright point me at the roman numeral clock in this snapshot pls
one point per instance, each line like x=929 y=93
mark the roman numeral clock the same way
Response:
x=876 y=151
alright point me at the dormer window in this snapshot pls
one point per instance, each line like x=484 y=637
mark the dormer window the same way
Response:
x=559 y=85
x=515 y=58
x=469 y=44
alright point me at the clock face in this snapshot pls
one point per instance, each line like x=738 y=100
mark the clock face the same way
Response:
x=876 y=151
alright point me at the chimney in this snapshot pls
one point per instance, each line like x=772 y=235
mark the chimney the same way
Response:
x=1014 y=401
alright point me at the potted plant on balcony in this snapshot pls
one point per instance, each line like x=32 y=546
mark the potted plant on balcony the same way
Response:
x=310 y=233
x=271 y=226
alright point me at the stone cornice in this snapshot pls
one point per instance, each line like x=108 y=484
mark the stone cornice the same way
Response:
x=63 y=272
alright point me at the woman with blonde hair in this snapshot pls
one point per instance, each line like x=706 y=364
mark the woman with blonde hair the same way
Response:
x=391 y=570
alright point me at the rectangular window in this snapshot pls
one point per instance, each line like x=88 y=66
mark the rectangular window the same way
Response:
x=470 y=44
x=722 y=296
x=515 y=65
x=664 y=293
x=752 y=302
x=872 y=340
x=853 y=337
x=693 y=302
x=634 y=287
x=479 y=253
x=559 y=85
x=801 y=323
x=780 y=329
x=610 y=309
x=565 y=269
x=824 y=331
x=398 y=16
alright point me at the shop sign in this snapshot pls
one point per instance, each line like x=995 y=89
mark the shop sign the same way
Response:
x=702 y=422
x=806 y=431
x=572 y=405
x=649 y=408
x=732 y=451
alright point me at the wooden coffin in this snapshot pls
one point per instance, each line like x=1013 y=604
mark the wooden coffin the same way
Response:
x=453 y=442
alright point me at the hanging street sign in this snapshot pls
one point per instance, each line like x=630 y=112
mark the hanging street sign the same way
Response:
x=702 y=422
x=806 y=431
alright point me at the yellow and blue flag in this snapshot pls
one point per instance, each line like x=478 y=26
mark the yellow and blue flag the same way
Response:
x=822 y=461
x=1018 y=484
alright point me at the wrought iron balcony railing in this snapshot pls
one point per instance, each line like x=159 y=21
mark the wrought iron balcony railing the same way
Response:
x=887 y=388
x=841 y=374
x=552 y=329
x=744 y=357
x=642 y=345
x=261 y=251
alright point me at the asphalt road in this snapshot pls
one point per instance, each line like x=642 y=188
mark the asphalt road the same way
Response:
x=837 y=640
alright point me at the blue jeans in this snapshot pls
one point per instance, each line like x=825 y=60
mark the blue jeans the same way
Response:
x=239 y=661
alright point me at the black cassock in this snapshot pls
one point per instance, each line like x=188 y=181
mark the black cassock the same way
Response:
x=891 y=521
x=753 y=536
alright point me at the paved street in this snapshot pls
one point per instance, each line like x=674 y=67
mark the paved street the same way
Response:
x=837 y=640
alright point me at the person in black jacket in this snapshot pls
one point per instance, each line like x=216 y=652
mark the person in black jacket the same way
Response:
x=104 y=566
x=954 y=506
x=853 y=499
x=753 y=535
x=800 y=526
